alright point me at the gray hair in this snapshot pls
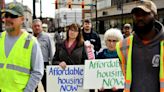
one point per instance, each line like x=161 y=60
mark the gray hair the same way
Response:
x=37 y=20
x=113 y=32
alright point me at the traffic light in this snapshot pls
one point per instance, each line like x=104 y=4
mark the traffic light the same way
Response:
x=69 y=6
x=56 y=4
x=82 y=4
x=69 y=3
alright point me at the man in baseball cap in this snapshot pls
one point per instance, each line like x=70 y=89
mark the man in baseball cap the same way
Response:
x=144 y=16
x=21 y=53
x=127 y=30
x=144 y=59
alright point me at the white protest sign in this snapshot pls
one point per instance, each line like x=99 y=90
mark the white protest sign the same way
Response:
x=104 y=73
x=67 y=80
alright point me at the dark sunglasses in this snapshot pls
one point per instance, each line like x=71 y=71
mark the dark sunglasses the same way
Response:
x=8 y=15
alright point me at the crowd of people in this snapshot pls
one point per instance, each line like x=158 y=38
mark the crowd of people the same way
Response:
x=24 y=55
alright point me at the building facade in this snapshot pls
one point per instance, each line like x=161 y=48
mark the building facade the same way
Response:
x=115 y=13
x=28 y=17
x=66 y=16
x=77 y=4
x=69 y=11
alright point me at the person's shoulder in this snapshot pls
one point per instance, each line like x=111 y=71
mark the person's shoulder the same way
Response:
x=45 y=35
x=94 y=32
x=60 y=43
x=81 y=45
x=100 y=55
x=31 y=38
x=1 y=33
x=102 y=51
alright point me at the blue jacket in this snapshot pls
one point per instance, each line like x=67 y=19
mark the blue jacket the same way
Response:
x=107 y=54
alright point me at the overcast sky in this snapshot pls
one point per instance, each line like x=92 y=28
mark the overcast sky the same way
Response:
x=48 y=9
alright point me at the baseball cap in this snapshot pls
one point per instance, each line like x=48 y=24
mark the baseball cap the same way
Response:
x=14 y=8
x=127 y=25
x=147 y=6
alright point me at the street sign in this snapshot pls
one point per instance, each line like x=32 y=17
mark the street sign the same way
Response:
x=90 y=4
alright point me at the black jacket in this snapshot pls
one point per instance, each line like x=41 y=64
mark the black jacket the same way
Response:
x=77 y=56
x=94 y=38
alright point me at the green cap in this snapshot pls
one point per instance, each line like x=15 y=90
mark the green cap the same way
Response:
x=14 y=8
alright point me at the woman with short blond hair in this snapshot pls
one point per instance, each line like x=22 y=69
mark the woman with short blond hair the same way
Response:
x=111 y=37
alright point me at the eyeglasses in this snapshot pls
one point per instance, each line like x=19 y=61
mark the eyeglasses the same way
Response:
x=126 y=27
x=109 y=40
x=74 y=30
x=7 y=15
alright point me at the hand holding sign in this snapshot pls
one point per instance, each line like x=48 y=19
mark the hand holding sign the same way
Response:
x=101 y=89
x=63 y=65
x=113 y=89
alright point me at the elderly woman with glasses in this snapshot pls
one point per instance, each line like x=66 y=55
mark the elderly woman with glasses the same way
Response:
x=111 y=37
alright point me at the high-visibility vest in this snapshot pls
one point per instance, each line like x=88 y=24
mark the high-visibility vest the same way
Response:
x=124 y=50
x=15 y=69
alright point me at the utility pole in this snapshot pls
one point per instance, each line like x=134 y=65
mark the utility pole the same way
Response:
x=34 y=15
x=122 y=17
x=75 y=15
x=120 y=7
x=59 y=15
x=40 y=9
x=96 y=15
x=22 y=1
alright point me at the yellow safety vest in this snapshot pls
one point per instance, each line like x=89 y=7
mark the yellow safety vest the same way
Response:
x=124 y=50
x=15 y=69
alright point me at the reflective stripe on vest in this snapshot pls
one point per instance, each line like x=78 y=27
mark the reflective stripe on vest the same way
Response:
x=124 y=50
x=127 y=85
x=121 y=56
x=162 y=66
x=124 y=53
x=1 y=65
x=18 y=68
x=15 y=67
